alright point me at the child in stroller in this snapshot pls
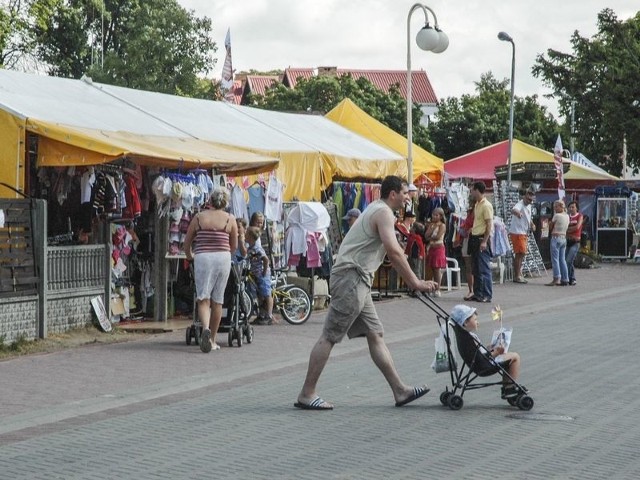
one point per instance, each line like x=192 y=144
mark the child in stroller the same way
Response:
x=467 y=318
x=478 y=361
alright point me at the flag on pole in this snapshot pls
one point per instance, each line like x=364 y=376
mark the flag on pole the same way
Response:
x=557 y=160
x=227 y=71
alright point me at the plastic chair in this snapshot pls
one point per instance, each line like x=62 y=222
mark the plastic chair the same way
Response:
x=501 y=268
x=452 y=268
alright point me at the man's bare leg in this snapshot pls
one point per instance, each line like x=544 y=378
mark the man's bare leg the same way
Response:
x=317 y=361
x=517 y=265
x=382 y=358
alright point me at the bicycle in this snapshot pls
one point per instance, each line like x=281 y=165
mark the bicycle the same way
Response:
x=292 y=301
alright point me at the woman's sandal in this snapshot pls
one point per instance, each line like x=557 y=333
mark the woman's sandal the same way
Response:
x=468 y=297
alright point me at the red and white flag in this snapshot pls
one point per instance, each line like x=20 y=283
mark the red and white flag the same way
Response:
x=227 y=71
x=557 y=160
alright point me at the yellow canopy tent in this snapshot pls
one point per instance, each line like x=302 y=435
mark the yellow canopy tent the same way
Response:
x=64 y=145
x=313 y=150
x=12 y=154
x=350 y=116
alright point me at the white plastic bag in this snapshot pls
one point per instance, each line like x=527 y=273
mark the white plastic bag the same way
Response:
x=441 y=360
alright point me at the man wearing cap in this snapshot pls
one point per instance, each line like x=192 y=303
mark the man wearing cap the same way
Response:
x=521 y=222
x=410 y=204
x=351 y=311
x=351 y=217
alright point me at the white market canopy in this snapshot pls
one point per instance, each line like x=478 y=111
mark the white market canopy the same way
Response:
x=83 y=123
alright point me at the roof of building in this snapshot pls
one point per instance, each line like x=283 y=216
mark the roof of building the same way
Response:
x=258 y=84
x=422 y=91
x=238 y=88
x=292 y=75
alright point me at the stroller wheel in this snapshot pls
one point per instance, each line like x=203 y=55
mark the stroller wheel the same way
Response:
x=248 y=333
x=188 y=336
x=444 y=397
x=525 y=402
x=513 y=401
x=230 y=339
x=197 y=331
x=238 y=335
x=455 y=402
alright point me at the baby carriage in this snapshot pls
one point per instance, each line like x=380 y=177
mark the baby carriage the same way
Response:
x=236 y=310
x=477 y=364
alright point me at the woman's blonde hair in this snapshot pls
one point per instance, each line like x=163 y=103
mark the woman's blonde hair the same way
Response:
x=220 y=198
x=255 y=217
x=253 y=233
x=439 y=211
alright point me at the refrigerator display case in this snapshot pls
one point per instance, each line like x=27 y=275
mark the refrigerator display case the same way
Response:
x=612 y=230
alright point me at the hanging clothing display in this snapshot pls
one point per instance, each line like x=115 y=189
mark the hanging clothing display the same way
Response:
x=133 y=208
x=306 y=238
x=348 y=195
x=500 y=238
x=238 y=204
x=459 y=197
x=256 y=198
x=273 y=200
x=428 y=202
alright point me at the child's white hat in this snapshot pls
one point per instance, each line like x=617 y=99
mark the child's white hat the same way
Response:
x=461 y=313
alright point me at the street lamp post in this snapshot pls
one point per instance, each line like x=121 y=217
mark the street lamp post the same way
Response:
x=505 y=37
x=430 y=39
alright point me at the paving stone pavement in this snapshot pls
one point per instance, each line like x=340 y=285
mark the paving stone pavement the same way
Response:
x=155 y=408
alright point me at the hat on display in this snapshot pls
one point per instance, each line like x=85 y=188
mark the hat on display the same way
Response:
x=412 y=188
x=158 y=189
x=198 y=195
x=460 y=313
x=176 y=214
x=187 y=196
x=167 y=186
x=353 y=213
x=176 y=190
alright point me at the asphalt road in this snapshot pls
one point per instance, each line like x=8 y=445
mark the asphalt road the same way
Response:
x=155 y=408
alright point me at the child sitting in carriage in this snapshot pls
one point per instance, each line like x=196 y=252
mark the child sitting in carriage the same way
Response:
x=467 y=318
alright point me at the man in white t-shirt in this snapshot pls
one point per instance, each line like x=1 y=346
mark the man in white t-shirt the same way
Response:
x=521 y=222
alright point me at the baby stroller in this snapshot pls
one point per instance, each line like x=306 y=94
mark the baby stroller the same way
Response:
x=475 y=367
x=236 y=310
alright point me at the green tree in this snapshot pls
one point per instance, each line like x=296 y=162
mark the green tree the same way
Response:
x=145 y=44
x=322 y=93
x=600 y=78
x=470 y=122
x=16 y=42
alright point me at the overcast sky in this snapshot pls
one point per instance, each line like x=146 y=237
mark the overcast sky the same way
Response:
x=371 y=34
